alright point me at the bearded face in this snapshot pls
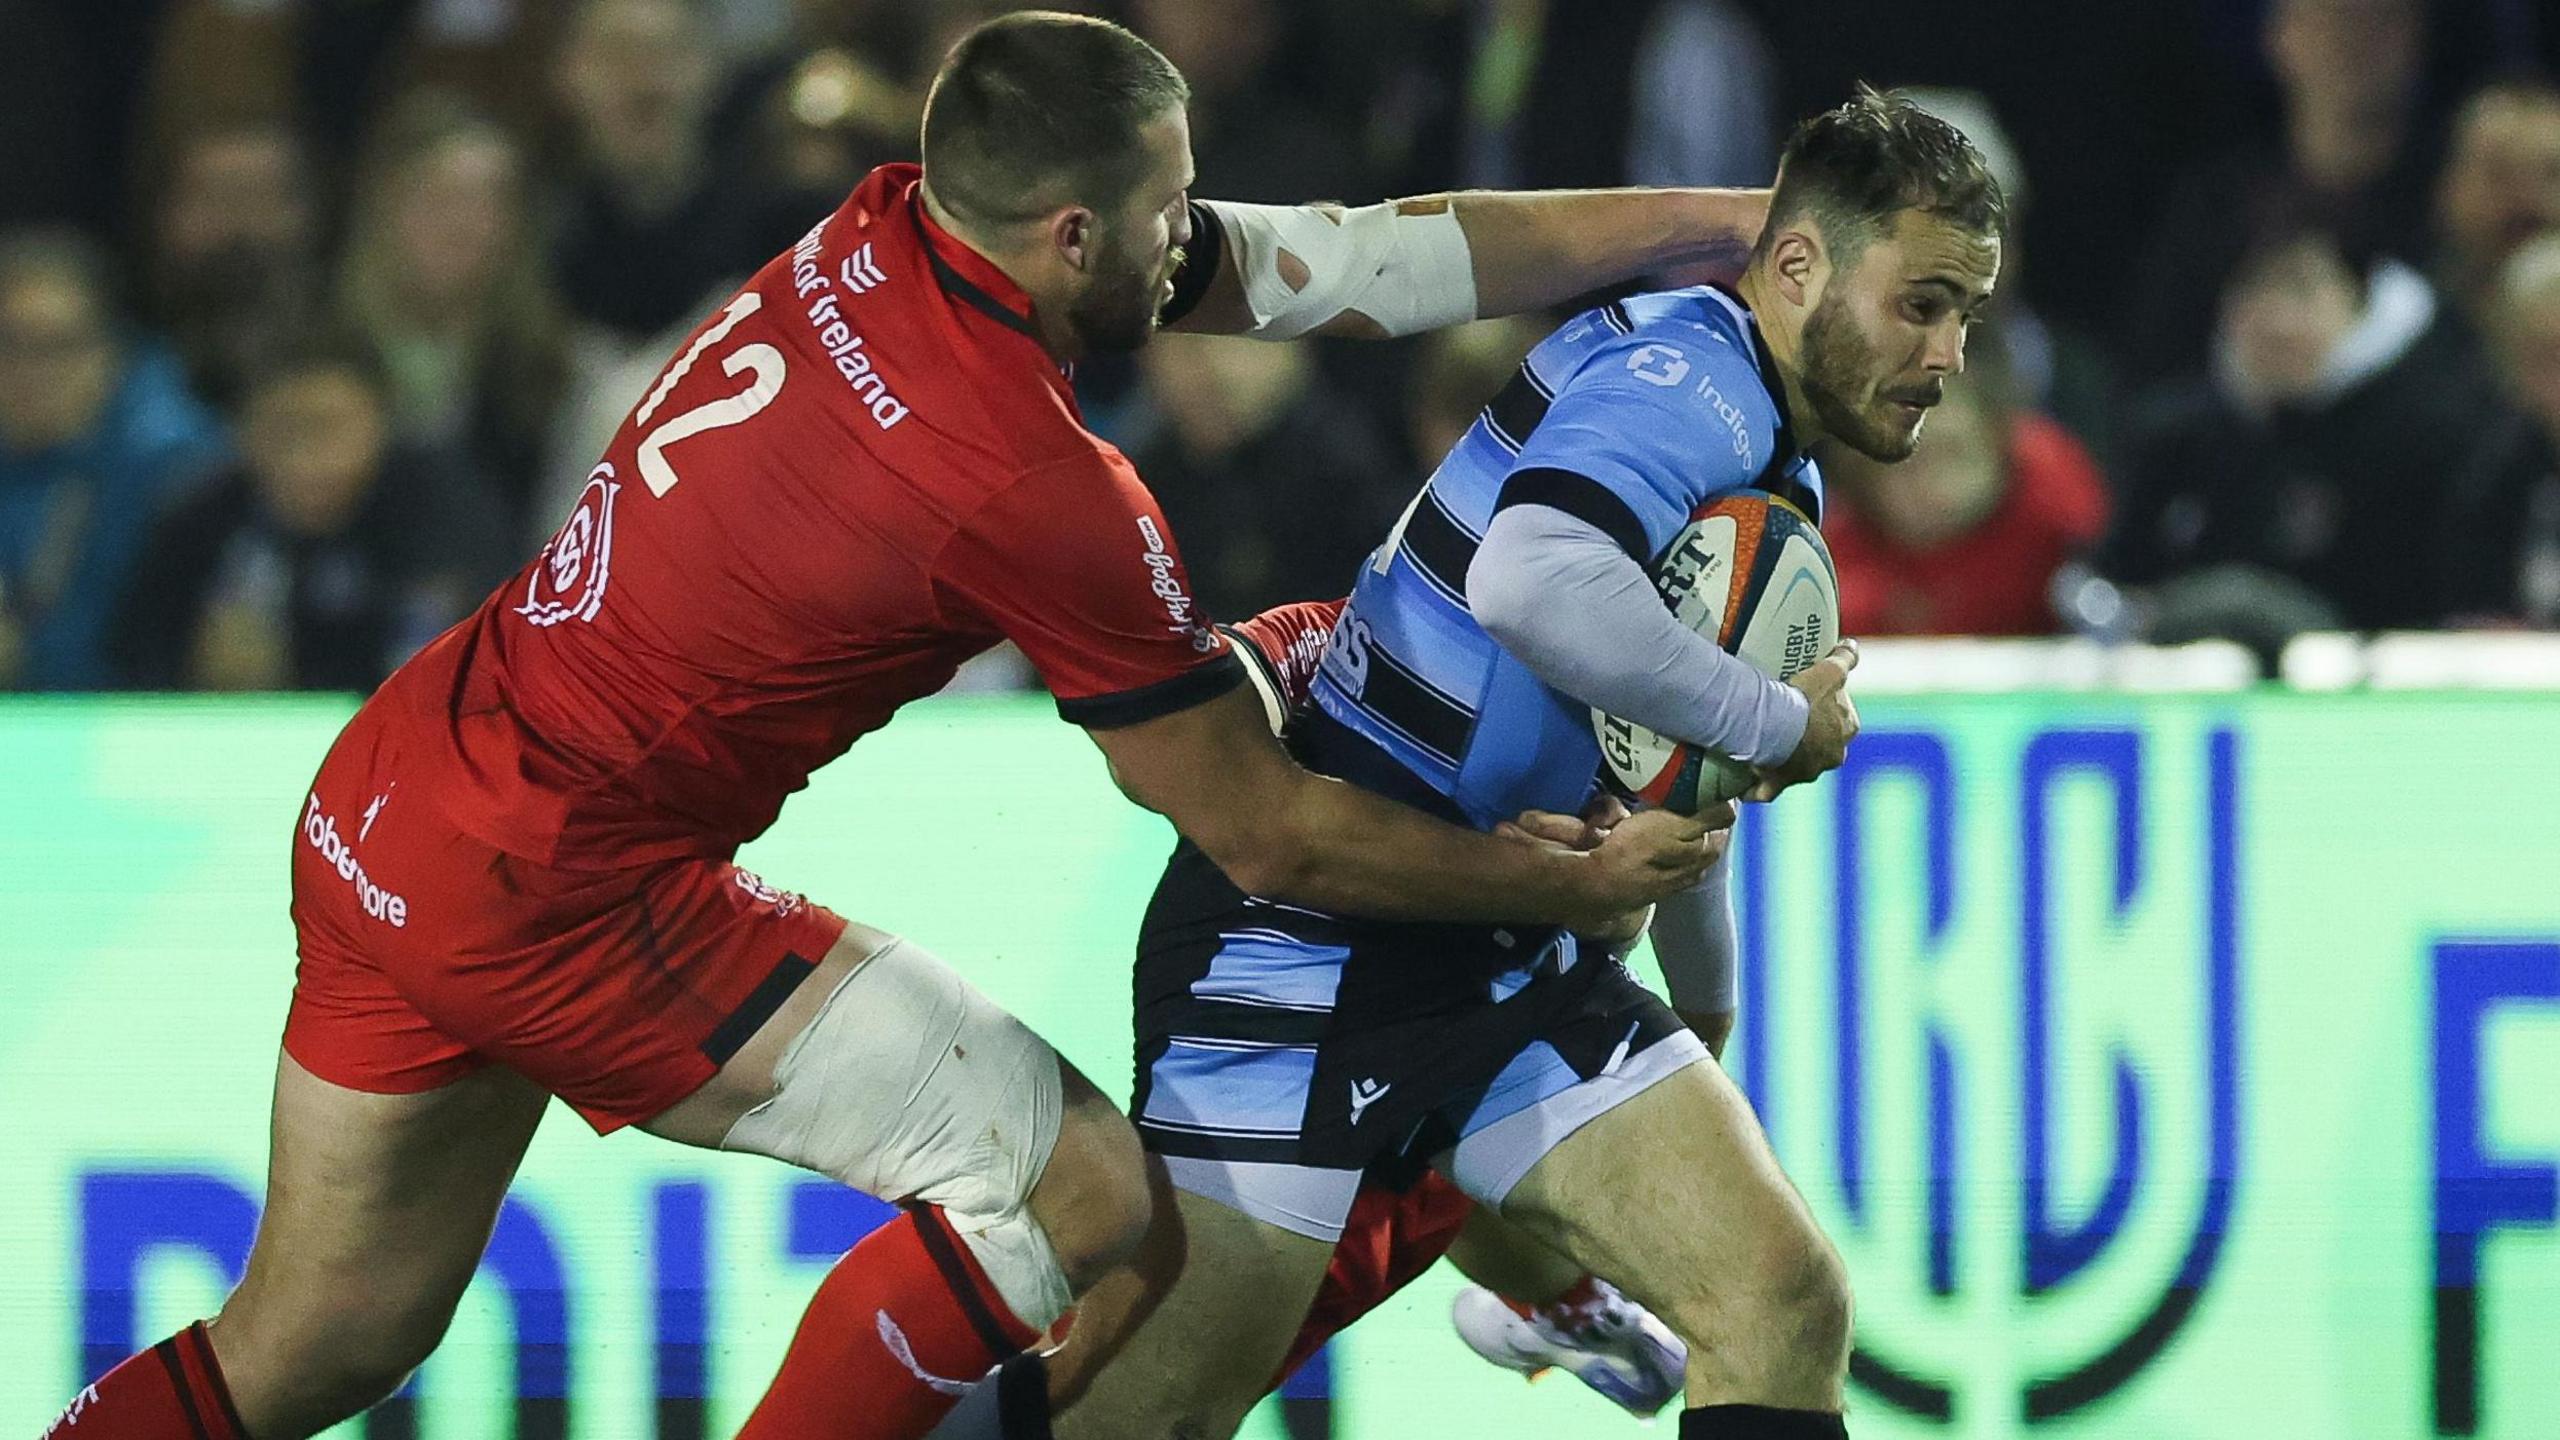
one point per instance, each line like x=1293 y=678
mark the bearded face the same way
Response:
x=1843 y=377
x=1887 y=331
x=1138 y=245
x=1117 y=311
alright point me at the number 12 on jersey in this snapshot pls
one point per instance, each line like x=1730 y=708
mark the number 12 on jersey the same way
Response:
x=765 y=363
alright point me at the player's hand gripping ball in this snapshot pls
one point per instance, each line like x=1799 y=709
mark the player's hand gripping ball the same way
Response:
x=1750 y=572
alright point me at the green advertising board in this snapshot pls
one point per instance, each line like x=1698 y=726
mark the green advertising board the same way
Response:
x=2164 y=1067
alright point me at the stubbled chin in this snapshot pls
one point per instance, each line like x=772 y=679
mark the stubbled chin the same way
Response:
x=1894 y=442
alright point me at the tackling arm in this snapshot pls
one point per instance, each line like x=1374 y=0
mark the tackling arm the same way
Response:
x=1402 y=266
x=1277 y=830
x=1694 y=936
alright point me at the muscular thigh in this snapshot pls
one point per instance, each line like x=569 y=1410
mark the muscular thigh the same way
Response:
x=1179 y=1345
x=378 y=1208
x=1674 y=1189
x=889 y=1071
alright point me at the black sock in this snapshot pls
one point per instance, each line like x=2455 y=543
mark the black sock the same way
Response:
x=1022 y=1398
x=1760 y=1422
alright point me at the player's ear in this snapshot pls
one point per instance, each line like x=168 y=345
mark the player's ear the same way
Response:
x=1072 y=235
x=1795 y=263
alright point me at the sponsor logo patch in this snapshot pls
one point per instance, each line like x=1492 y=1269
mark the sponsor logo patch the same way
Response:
x=320 y=832
x=569 y=577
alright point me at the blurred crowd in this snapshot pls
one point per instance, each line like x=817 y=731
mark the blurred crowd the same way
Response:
x=314 y=313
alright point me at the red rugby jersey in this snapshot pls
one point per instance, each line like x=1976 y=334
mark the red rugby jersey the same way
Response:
x=1287 y=644
x=859 y=472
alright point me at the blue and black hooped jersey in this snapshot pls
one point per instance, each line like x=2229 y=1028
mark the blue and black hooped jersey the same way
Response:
x=1282 y=1051
x=1629 y=417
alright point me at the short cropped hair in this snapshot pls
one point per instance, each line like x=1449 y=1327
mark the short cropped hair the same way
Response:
x=1040 y=109
x=1855 y=168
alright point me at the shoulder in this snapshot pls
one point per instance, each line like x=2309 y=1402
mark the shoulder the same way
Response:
x=1683 y=362
x=1087 y=495
x=1089 y=469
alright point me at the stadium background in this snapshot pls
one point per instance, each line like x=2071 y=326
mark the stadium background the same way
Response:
x=2172 y=1051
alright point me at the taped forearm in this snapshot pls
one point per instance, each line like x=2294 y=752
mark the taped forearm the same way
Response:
x=1401 y=266
x=1560 y=595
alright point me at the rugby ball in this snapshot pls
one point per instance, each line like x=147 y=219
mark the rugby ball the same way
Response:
x=1750 y=572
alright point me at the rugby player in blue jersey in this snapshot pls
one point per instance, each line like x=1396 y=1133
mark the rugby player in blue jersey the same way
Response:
x=1285 y=1054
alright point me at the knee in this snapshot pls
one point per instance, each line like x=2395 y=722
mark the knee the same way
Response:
x=1194 y=1423
x=1798 y=1293
x=324 y=1364
x=350 y=1382
x=1816 y=1300
x=1094 y=1201
x=1791 y=1298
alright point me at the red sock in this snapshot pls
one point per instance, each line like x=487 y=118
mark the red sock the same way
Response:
x=902 y=1325
x=172 y=1391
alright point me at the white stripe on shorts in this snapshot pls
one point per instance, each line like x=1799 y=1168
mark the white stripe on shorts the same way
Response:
x=1297 y=1198
x=1489 y=1162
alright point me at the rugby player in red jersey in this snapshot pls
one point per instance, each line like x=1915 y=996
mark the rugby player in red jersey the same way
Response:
x=512 y=876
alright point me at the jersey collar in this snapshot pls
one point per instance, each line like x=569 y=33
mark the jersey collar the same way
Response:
x=1778 y=475
x=1770 y=378
x=964 y=274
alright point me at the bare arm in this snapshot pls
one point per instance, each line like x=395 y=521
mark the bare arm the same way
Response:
x=1543 y=247
x=1523 y=250
x=1693 y=931
x=1277 y=830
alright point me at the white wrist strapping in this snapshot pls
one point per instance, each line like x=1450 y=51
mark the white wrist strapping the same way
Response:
x=1303 y=266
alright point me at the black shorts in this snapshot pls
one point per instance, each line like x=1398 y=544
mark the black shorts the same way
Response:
x=1283 y=1055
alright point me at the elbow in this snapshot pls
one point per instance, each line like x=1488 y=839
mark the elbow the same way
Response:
x=1264 y=830
x=1263 y=846
x=1267 y=863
